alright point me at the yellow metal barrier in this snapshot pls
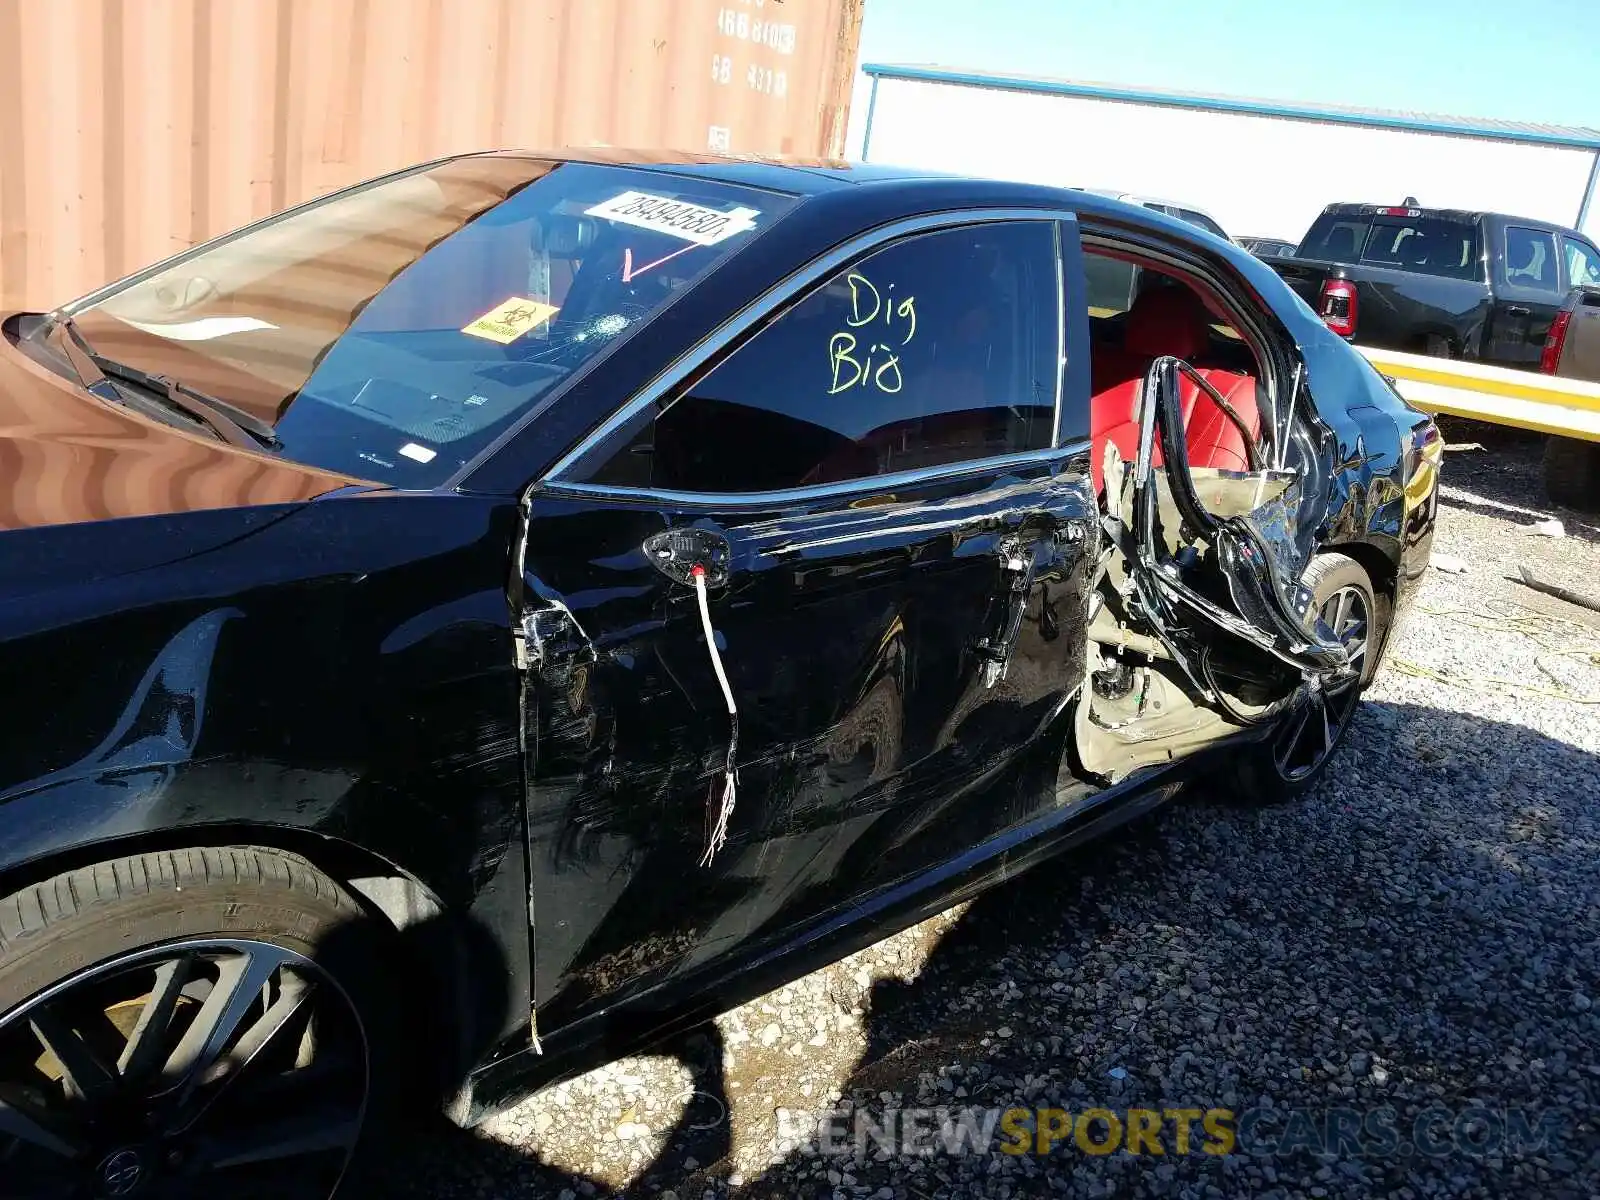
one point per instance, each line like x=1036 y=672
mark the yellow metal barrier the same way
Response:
x=1525 y=399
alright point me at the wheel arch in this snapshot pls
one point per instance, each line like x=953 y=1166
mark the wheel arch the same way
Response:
x=383 y=888
x=1451 y=337
x=442 y=943
x=1380 y=567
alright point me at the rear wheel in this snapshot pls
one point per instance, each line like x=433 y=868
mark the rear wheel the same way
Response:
x=1572 y=473
x=1343 y=602
x=183 y=1024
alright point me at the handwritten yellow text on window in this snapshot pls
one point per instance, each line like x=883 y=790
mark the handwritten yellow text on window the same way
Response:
x=855 y=358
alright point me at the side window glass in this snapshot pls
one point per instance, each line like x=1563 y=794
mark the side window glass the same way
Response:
x=1110 y=284
x=940 y=348
x=1531 y=259
x=1583 y=265
x=1338 y=241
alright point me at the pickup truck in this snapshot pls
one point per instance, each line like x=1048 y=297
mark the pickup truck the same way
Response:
x=1452 y=284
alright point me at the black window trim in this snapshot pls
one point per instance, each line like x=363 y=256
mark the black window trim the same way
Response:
x=779 y=297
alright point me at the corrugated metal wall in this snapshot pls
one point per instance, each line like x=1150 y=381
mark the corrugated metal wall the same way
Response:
x=1258 y=175
x=130 y=129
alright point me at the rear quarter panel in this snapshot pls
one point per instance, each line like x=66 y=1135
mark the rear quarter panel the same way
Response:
x=1380 y=502
x=1399 y=309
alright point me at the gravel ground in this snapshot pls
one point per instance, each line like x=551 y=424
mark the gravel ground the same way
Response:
x=1422 y=930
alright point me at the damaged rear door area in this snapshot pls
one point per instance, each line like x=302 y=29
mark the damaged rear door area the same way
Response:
x=1200 y=624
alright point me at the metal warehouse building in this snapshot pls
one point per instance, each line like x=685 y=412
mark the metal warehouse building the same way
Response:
x=1261 y=168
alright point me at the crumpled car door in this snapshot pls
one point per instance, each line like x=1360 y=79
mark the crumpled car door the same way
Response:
x=1213 y=559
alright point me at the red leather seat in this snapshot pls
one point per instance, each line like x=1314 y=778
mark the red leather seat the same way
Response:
x=1163 y=321
x=1211 y=438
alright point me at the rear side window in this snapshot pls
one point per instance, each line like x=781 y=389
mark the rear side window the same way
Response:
x=940 y=348
x=1428 y=245
x=1531 y=259
x=1333 y=239
x=1110 y=284
x=1425 y=244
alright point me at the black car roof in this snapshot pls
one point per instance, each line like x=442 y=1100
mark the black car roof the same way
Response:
x=836 y=181
x=793 y=175
x=799 y=177
x=806 y=177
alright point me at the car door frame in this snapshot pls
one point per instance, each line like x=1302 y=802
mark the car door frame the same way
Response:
x=1522 y=316
x=1583 y=243
x=1275 y=599
x=564 y=477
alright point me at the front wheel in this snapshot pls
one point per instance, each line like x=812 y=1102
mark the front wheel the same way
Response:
x=1302 y=744
x=182 y=1024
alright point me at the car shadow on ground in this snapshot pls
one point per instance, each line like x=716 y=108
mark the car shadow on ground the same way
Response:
x=1312 y=957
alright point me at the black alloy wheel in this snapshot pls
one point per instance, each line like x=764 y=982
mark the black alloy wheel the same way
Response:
x=201 y=1068
x=177 y=1024
x=1299 y=748
x=1309 y=734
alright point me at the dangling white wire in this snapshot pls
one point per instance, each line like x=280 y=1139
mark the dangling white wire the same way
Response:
x=718 y=835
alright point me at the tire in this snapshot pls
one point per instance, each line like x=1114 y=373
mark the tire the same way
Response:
x=1262 y=774
x=1572 y=473
x=263 y=1022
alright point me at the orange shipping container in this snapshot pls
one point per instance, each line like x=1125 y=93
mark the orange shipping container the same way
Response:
x=130 y=129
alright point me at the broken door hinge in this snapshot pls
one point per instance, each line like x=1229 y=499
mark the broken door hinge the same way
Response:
x=533 y=635
x=1021 y=563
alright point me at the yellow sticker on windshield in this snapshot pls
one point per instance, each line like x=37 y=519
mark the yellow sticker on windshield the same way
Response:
x=508 y=321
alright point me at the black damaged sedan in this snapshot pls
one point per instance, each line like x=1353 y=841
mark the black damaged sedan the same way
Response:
x=484 y=619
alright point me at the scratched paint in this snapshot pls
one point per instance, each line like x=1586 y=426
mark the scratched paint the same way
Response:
x=857 y=753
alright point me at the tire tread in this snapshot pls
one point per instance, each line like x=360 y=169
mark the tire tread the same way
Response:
x=33 y=911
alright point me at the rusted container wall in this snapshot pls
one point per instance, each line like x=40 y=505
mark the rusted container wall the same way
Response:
x=130 y=129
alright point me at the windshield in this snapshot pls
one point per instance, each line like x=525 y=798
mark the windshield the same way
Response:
x=1426 y=244
x=391 y=333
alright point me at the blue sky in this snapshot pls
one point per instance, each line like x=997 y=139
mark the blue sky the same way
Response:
x=1526 y=60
